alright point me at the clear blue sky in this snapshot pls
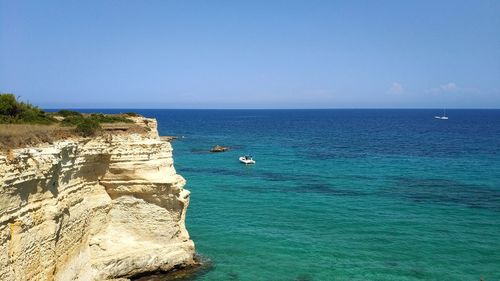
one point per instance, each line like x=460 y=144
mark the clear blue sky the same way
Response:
x=251 y=54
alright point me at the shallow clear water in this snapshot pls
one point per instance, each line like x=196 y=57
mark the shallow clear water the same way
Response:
x=342 y=194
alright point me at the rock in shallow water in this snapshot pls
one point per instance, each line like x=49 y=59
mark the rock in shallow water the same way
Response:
x=219 y=148
x=202 y=266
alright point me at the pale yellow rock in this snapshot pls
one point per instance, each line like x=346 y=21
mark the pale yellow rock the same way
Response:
x=93 y=209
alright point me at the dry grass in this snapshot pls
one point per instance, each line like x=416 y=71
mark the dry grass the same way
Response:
x=23 y=135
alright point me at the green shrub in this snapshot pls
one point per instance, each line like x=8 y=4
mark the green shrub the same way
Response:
x=101 y=118
x=8 y=105
x=132 y=114
x=83 y=122
x=72 y=120
x=87 y=127
x=67 y=113
x=14 y=112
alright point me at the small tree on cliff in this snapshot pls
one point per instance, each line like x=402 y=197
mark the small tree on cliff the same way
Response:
x=87 y=127
x=14 y=111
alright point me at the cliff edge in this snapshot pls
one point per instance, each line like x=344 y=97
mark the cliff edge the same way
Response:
x=97 y=208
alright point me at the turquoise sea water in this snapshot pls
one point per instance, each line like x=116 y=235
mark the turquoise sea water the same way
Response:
x=342 y=194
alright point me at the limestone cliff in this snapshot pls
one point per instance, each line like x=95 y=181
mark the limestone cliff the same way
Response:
x=92 y=209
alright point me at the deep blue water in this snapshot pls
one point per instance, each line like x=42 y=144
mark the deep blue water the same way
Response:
x=341 y=194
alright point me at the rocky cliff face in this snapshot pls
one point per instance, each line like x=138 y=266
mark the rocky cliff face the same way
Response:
x=92 y=209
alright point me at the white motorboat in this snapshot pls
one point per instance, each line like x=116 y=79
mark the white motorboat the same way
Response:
x=247 y=159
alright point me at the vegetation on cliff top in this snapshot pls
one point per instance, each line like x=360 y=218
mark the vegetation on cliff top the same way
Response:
x=22 y=123
x=13 y=111
x=88 y=125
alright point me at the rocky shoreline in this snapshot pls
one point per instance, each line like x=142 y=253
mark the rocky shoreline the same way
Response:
x=200 y=267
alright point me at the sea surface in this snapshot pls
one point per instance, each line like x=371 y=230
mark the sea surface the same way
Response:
x=341 y=194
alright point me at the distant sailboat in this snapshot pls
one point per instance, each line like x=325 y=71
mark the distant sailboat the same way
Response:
x=444 y=117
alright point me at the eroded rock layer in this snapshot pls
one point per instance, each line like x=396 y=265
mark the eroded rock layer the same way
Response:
x=92 y=209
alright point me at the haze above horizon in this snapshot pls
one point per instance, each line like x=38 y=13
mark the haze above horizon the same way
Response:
x=251 y=54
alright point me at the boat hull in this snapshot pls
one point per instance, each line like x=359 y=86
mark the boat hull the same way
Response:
x=441 y=117
x=247 y=161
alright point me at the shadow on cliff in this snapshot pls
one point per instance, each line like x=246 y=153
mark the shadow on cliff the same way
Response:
x=35 y=186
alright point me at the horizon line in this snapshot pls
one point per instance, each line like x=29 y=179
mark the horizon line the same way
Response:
x=325 y=108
